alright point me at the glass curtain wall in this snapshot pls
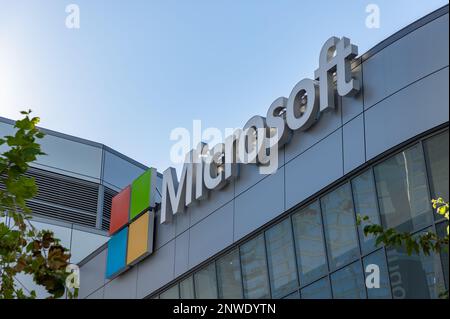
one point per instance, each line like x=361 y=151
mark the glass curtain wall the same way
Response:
x=319 y=252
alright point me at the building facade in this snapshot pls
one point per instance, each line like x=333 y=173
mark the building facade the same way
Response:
x=293 y=234
x=76 y=181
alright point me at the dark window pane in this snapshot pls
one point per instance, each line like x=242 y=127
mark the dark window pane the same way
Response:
x=340 y=226
x=384 y=291
x=281 y=257
x=318 y=290
x=415 y=276
x=365 y=199
x=348 y=283
x=229 y=276
x=403 y=191
x=254 y=269
x=205 y=283
x=294 y=295
x=171 y=293
x=436 y=152
x=187 y=288
x=442 y=232
x=309 y=243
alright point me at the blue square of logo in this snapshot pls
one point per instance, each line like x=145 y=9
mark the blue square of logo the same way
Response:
x=116 y=261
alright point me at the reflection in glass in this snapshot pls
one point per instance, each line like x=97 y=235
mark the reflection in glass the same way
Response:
x=118 y=171
x=281 y=257
x=294 y=295
x=205 y=283
x=309 y=243
x=318 y=290
x=229 y=276
x=254 y=269
x=187 y=288
x=171 y=293
x=378 y=258
x=348 y=282
x=415 y=276
x=365 y=200
x=71 y=156
x=436 y=153
x=340 y=226
x=403 y=192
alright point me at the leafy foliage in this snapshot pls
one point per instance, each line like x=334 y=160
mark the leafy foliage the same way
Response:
x=427 y=242
x=23 y=249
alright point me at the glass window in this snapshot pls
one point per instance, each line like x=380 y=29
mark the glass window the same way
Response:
x=378 y=258
x=281 y=257
x=309 y=243
x=365 y=200
x=118 y=171
x=187 y=288
x=254 y=269
x=294 y=295
x=205 y=283
x=171 y=293
x=70 y=156
x=318 y=290
x=348 y=282
x=340 y=226
x=442 y=231
x=436 y=152
x=415 y=276
x=229 y=276
x=403 y=192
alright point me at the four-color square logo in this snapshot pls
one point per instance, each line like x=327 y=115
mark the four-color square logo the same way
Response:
x=132 y=224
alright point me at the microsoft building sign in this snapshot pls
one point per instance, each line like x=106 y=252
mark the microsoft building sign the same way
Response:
x=208 y=169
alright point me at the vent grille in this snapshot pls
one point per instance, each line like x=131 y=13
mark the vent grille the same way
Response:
x=48 y=211
x=107 y=203
x=65 y=191
x=63 y=198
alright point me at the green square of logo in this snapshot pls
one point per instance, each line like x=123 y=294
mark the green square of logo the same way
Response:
x=141 y=193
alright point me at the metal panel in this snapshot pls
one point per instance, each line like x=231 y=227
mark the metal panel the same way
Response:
x=353 y=144
x=200 y=209
x=327 y=123
x=410 y=58
x=314 y=169
x=163 y=232
x=84 y=243
x=92 y=274
x=259 y=204
x=415 y=109
x=352 y=106
x=250 y=174
x=211 y=235
x=182 y=253
x=156 y=271
x=122 y=287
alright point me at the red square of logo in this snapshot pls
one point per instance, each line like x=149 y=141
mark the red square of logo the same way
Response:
x=120 y=210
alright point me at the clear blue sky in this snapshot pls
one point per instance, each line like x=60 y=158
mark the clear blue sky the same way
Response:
x=137 y=69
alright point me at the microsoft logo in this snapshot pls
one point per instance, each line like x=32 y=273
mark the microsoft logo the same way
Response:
x=132 y=224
